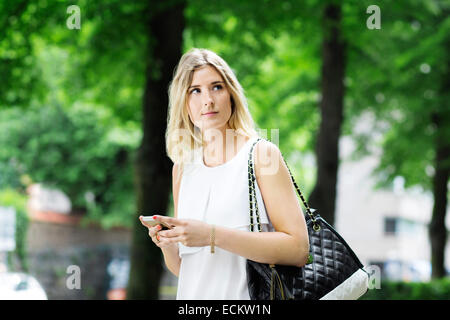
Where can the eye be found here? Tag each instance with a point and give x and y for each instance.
(219, 86)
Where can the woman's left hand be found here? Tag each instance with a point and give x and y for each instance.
(189, 232)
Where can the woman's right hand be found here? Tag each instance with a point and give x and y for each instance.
(158, 240)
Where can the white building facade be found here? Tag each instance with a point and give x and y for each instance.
(387, 228)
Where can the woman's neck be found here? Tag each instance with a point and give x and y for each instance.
(219, 145)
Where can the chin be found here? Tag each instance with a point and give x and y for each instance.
(213, 125)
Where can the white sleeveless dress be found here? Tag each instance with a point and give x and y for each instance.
(216, 195)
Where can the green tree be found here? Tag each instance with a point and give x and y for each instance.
(57, 147)
(165, 25)
(108, 68)
(400, 74)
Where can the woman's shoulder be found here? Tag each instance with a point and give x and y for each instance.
(267, 157)
(265, 146)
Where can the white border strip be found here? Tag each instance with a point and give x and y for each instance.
(351, 289)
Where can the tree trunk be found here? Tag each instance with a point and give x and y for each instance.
(323, 196)
(437, 229)
(152, 166)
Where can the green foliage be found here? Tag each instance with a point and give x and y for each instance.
(9, 176)
(17, 200)
(433, 290)
(274, 49)
(397, 74)
(80, 150)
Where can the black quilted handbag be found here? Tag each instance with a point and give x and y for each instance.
(333, 270)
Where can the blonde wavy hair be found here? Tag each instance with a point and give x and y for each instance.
(182, 136)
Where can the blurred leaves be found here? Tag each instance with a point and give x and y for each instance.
(397, 74)
(433, 290)
(77, 151)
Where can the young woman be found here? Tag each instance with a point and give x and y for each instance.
(209, 136)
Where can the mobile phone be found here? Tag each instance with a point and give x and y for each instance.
(152, 222)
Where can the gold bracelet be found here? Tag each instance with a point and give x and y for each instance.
(213, 234)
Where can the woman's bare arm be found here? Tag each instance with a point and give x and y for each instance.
(289, 243)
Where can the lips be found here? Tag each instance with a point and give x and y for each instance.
(209, 113)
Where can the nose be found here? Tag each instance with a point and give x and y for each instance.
(207, 99)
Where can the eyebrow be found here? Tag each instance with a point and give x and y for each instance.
(214, 82)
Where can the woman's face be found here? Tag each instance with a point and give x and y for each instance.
(209, 103)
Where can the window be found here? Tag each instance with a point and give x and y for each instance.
(402, 226)
(390, 226)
